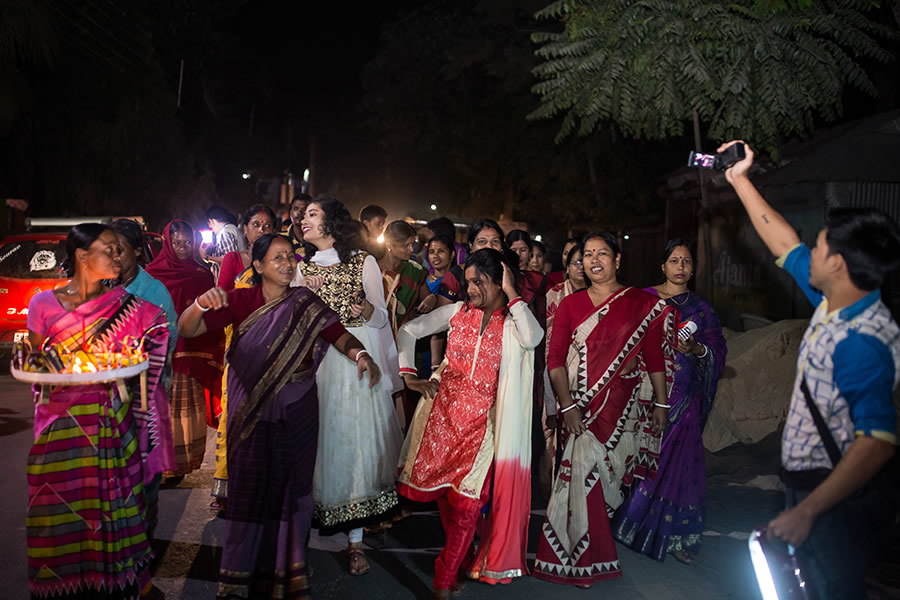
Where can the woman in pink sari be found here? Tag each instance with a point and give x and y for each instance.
(94, 449)
(611, 363)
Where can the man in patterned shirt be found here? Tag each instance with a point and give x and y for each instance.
(228, 238)
(850, 361)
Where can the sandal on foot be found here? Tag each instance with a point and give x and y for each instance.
(683, 557)
(359, 565)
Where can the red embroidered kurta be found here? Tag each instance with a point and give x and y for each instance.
(456, 448)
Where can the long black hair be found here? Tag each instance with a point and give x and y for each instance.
(490, 262)
(80, 238)
(259, 251)
(337, 223)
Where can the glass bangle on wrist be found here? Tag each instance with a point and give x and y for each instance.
(197, 304)
(658, 405)
(360, 354)
(705, 351)
(562, 411)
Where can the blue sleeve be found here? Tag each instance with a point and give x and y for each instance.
(796, 262)
(864, 374)
(163, 299)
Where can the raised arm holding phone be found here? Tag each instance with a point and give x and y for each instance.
(849, 363)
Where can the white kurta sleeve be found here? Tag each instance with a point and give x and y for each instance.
(528, 331)
(371, 276)
(297, 281)
(436, 321)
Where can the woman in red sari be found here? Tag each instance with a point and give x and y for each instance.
(611, 362)
(197, 362)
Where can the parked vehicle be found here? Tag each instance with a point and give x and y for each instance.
(29, 263)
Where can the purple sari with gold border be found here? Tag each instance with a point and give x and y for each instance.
(273, 422)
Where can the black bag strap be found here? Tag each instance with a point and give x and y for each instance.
(831, 446)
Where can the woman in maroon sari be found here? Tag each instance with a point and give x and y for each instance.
(280, 337)
(611, 362)
(197, 363)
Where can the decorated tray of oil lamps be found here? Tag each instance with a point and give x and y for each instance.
(55, 368)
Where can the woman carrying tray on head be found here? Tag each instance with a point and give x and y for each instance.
(94, 450)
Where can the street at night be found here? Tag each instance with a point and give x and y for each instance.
(189, 537)
(415, 299)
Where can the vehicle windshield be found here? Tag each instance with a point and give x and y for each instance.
(33, 259)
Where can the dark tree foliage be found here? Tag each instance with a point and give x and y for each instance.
(758, 69)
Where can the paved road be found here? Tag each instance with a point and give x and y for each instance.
(190, 537)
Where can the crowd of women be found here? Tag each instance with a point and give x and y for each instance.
(347, 377)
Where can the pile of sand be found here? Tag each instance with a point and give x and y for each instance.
(755, 389)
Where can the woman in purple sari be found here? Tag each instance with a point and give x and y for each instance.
(280, 337)
(666, 514)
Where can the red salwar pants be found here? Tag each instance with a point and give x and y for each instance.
(460, 516)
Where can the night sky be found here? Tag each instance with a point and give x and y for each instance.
(432, 110)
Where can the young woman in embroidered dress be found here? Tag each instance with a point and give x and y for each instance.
(360, 435)
(667, 514)
(94, 450)
(611, 362)
(470, 440)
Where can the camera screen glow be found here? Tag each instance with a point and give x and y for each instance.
(206, 235)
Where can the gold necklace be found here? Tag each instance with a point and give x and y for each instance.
(672, 296)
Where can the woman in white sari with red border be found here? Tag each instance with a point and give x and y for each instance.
(611, 364)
